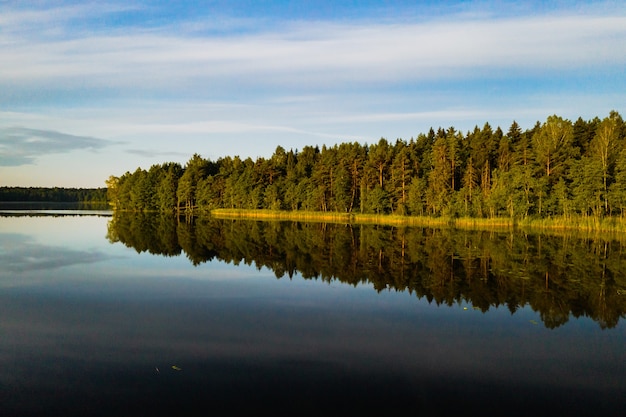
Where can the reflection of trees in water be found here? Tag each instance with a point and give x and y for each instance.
(557, 276)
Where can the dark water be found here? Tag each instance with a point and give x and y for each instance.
(149, 316)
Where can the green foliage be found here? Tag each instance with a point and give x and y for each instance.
(555, 168)
(553, 147)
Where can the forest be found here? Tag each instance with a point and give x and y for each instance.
(556, 168)
(53, 194)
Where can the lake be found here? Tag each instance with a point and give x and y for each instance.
(133, 315)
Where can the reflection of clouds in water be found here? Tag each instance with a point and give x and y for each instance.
(19, 253)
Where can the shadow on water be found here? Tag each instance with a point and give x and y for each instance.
(557, 276)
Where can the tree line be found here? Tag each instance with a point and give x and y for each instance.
(53, 194)
(555, 168)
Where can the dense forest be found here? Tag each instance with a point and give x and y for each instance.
(555, 168)
(54, 194)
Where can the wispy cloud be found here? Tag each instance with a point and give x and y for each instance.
(173, 79)
(21, 146)
(57, 19)
(319, 54)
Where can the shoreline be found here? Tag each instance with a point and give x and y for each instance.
(571, 224)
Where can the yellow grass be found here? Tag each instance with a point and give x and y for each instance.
(328, 217)
(570, 224)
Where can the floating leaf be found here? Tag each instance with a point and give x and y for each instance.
(176, 368)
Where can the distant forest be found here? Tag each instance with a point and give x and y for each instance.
(54, 194)
(555, 168)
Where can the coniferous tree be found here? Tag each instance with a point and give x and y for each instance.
(440, 178)
(617, 190)
(167, 177)
(469, 188)
(553, 146)
(401, 174)
(113, 196)
(604, 148)
(196, 169)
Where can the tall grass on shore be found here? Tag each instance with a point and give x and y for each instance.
(329, 217)
(587, 224)
(609, 227)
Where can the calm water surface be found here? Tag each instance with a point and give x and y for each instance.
(89, 327)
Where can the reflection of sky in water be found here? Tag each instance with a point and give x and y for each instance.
(102, 318)
(19, 253)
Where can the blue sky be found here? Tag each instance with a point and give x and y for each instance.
(89, 90)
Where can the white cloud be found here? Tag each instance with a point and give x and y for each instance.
(318, 54)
